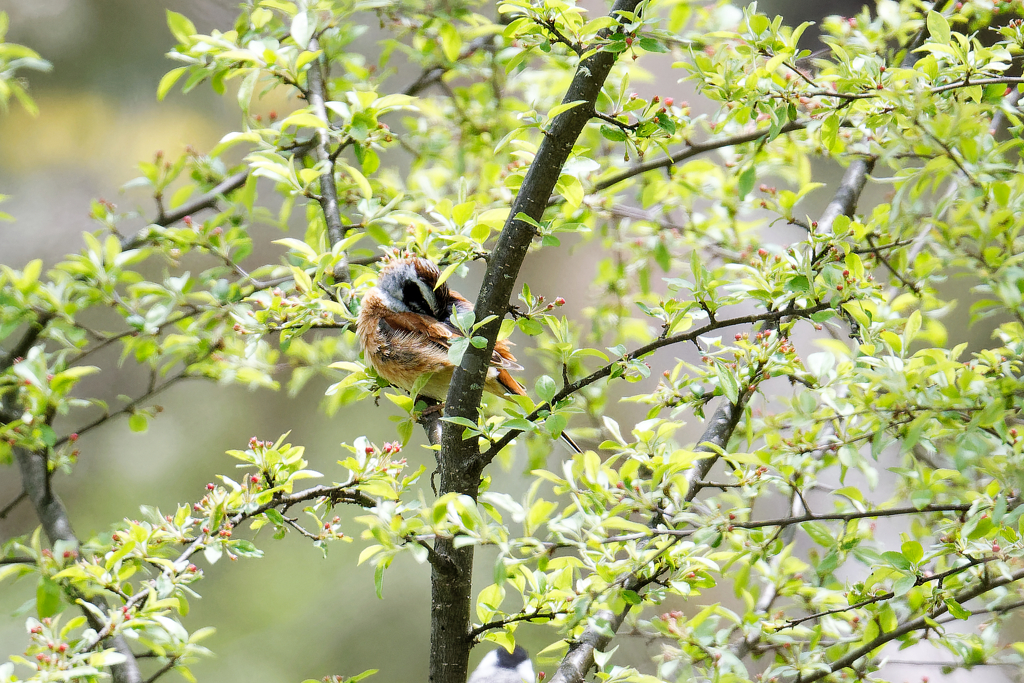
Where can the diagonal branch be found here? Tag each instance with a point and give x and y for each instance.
(844, 201)
(910, 626)
(596, 636)
(341, 493)
(570, 389)
(694, 149)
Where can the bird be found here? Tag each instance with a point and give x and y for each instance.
(502, 666)
(405, 330)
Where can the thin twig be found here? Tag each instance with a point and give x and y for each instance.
(23, 496)
(162, 670)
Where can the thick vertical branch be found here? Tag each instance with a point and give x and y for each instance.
(35, 478)
(510, 251)
(459, 472)
(317, 96)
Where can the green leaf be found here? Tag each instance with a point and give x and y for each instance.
(902, 585)
(957, 610)
(168, 80)
(652, 45)
(897, 560)
(302, 29)
(246, 89)
(571, 189)
(451, 41)
(545, 388)
(938, 28)
(746, 181)
(48, 594)
(662, 256)
(565, 106)
(181, 28)
(913, 551)
(138, 422)
(727, 381)
(830, 133)
(613, 134)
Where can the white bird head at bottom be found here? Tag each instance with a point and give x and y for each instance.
(502, 666)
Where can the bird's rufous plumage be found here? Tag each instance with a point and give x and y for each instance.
(405, 329)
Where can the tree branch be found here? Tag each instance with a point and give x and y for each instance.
(342, 493)
(317, 96)
(844, 201)
(13, 504)
(920, 622)
(580, 658)
(173, 662)
(53, 516)
(784, 522)
(27, 341)
(459, 470)
(601, 373)
(501, 623)
(692, 150)
(206, 201)
(131, 406)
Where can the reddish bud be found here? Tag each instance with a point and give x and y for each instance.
(559, 301)
(210, 487)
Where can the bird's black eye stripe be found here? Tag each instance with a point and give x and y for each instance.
(413, 298)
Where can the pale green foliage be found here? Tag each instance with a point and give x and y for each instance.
(12, 58)
(689, 260)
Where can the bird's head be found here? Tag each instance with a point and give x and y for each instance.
(502, 666)
(410, 284)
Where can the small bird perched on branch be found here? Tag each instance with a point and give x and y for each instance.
(502, 666)
(405, 328)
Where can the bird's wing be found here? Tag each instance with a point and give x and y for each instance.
(442, 334)
(416, 323)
